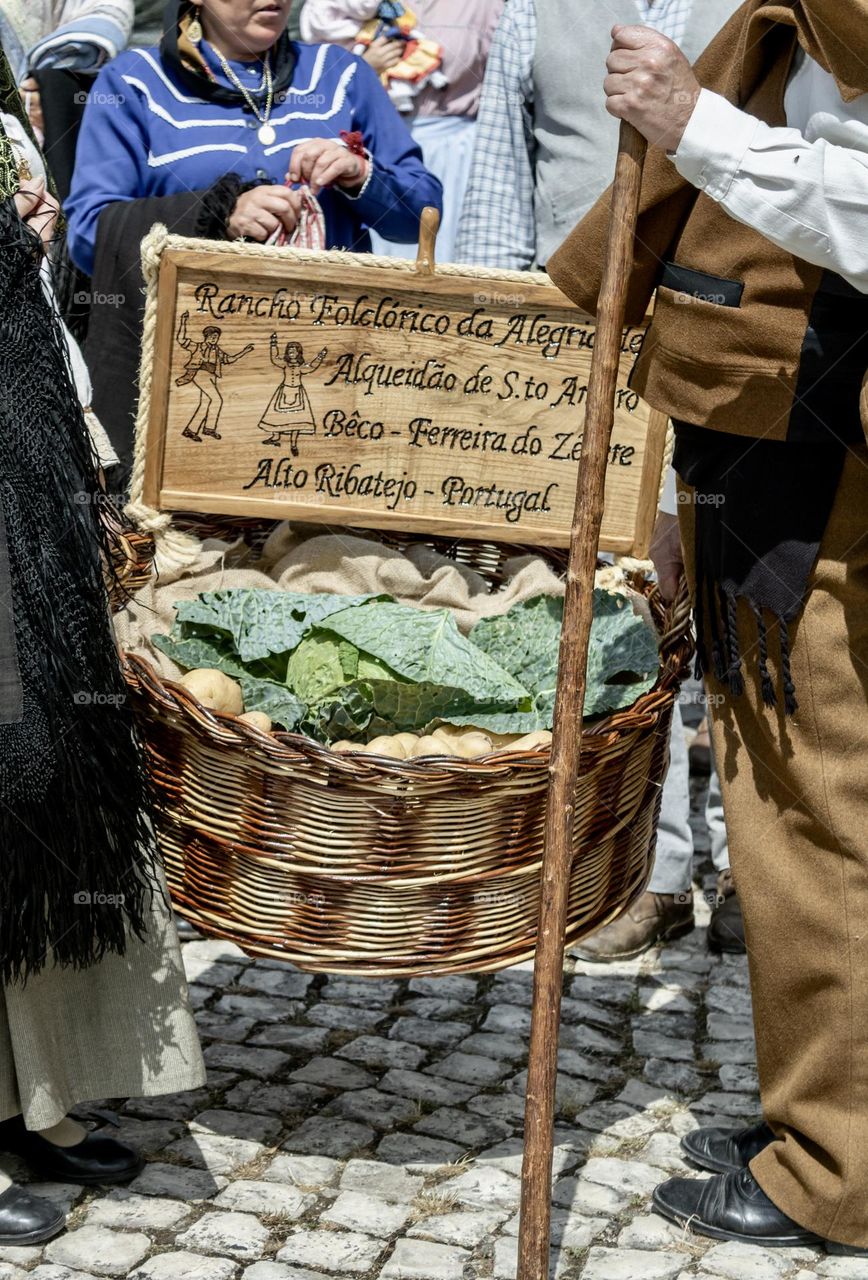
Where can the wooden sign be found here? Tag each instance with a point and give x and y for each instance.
(319, 386)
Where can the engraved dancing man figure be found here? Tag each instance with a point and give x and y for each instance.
(204, 367)
(289, 410)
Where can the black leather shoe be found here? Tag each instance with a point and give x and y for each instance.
(726, 1150)
(732, 1206)
(94, 1160)
(27, 1219)
(726, 926)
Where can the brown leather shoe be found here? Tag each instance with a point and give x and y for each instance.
(726, 927)
(653, 918)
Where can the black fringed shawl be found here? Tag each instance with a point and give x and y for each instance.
(761, 506)
(77, 854)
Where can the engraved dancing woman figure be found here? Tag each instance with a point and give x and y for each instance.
(289, 411)
(203, 368)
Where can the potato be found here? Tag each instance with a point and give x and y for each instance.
(346, 745)
(530, 741)
(472, 743)
(428, 745)
(387, 745)
(408, 742)
(214, 689)
(258, 719)
(450, 731)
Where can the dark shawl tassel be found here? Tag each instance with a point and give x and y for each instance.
(766, 684)
(790, 703)
(761, 508)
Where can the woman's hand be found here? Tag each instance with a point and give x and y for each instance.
(37, 208)
(260, 212)
(321, 162)
(383, 53)
(29, 90)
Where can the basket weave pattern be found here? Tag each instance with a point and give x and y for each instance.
(360, 864)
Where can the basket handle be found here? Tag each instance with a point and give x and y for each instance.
(676, 639)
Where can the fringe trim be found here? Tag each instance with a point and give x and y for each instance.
(718, 646)
(77, 849)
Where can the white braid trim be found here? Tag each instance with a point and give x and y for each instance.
(174, 550)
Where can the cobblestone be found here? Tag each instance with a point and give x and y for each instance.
(217, 1154)
(104, 1252)
(248, 1196)
(374, 1178)
(470, 1068)
(379, 1110)
(422, 1260)
(627, 1264)
(486, 1187)
(236, 1235)
(247, 1125)
(329, 1137)
(124, 1210)
(744, 1262)
(332, 1073)
(465, 1229)
(376, 1051)
(185, 1266)
(360, 1211)
(341, 1252)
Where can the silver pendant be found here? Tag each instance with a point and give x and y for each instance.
(266, 134)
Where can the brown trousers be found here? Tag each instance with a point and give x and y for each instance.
(795, 794)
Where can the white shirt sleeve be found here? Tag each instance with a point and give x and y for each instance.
(808, 197)
(669, 497)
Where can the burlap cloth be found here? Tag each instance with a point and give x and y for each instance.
(303, 558)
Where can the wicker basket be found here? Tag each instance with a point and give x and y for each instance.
(358, 864)
(132, 556)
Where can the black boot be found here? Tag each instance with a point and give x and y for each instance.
(726, 927)
(27, 1219)
(726, 1150)
(94, 1160)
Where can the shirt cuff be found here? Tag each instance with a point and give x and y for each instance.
(669, 497)
(714, 144)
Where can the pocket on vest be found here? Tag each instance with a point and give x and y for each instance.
(699, 286)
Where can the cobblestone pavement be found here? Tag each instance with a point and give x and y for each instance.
(372, 1129)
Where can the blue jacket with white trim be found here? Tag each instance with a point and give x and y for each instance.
(143, 134)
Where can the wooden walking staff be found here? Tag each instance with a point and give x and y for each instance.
(534, 1231)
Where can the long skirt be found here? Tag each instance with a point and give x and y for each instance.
(447, 149)
(121, 1028)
